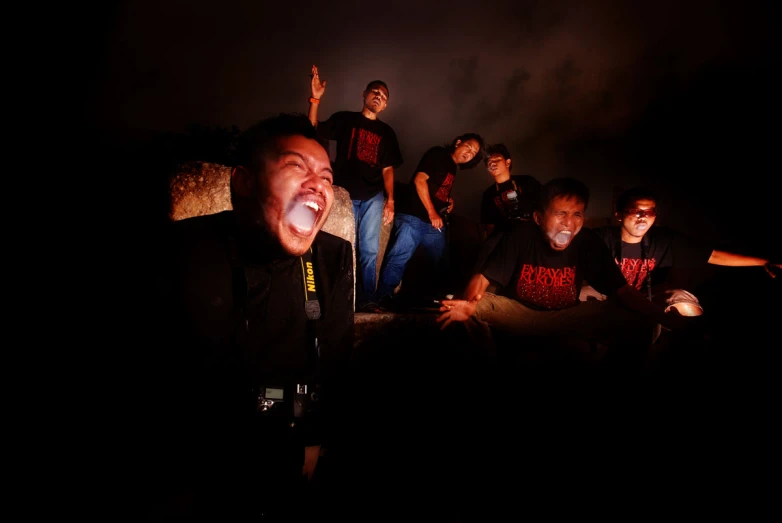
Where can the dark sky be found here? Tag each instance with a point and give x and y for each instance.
(678, 97)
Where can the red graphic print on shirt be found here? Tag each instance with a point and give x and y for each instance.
(546, 287)
(366, 143)
(635, 270)
(445, 189)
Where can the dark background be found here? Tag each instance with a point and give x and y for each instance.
(679, 97)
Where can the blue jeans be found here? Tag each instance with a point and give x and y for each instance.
(369, 215)
(409, 232)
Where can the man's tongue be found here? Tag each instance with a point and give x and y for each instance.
(562, 238)
(302, 217)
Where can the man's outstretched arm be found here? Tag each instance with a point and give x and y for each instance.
(732, 259)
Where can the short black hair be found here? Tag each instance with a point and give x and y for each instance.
(566, 187)
(254, 142)
(479, 156)
(624, 200)
(373, 83)
(497, 148)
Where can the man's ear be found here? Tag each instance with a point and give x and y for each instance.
(242, 182)
(618, 216)
(536, 217)
(508, 163)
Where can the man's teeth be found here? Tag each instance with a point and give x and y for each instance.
(312, 205)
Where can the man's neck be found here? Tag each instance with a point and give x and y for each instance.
(368, 114)
(259, 245)
(502, 178)
(629, 238)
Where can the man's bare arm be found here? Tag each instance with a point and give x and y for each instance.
(475, 288)
(317, 89)
(388, 183)
(422, 189)
(731, 259)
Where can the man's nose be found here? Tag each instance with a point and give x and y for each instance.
(315, 182)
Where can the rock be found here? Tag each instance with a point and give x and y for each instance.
(198, 189)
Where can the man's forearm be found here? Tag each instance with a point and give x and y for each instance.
(730, 259)
(476, 287)
(422, 189)
(313, 114)
(388, 182)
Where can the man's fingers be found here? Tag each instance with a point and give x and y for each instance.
(445, 323)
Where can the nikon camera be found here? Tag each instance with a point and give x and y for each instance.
(299, 401)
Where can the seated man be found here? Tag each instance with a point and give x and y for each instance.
(660, 262)
(254, 320)
(538, 268)
(646, 255)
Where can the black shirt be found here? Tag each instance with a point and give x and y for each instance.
(364, 148)
(528, 270)
(438, 164)
(660, 251)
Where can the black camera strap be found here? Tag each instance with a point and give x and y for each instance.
(311, 304)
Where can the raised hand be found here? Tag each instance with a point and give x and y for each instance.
(318, 87)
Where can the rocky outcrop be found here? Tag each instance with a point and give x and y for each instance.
(198, 189)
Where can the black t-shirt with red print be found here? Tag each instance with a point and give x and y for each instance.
(364, 148)
(528, 270)
(660, 251)
(441, 169)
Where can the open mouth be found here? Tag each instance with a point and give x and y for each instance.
(562, 238)
(303, 216)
